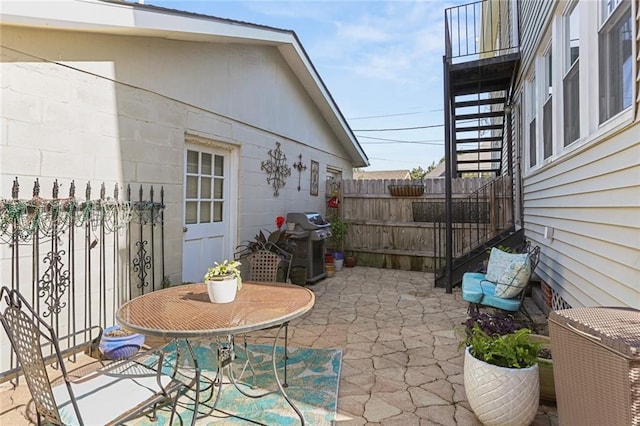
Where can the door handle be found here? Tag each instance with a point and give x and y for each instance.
(184, 229)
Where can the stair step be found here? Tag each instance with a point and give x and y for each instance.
(478, 102)
(479, 128)
(491, 114)
(496, 172)
(479, 150)
(479, 160)
(480, 140)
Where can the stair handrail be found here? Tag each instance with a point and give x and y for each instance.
(480, 28)
(492, 210)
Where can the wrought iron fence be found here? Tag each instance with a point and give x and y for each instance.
(78, 260)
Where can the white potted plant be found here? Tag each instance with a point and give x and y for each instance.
(501, 376)
(223, 281)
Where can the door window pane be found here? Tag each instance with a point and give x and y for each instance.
(206, 164)
(205, 191)
(219, 165)
(192, 187)
(191, 212)
(192, 162)
(205, 211)
(217, 188)
(217, 211)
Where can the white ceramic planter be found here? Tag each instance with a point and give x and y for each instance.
(222, 290)
(338, 263)
(501, 396)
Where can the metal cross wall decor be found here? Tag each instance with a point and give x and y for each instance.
(277, 169)
(299, 167)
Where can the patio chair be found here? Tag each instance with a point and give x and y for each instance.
(116, 392)
(505, 283)
(263, 267)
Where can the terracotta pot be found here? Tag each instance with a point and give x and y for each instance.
(350, 261)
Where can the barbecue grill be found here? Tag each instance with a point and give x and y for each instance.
(309, 234)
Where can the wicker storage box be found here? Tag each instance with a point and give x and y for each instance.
(596, 365)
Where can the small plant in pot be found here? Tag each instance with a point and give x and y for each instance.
(223, 281)
(505, 365)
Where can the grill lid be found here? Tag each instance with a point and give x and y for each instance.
(307, 220)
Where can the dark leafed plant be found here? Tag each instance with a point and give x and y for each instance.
(498, 323)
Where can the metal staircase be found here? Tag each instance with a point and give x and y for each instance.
(481, 60)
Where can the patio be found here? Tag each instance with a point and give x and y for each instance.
(401, 362)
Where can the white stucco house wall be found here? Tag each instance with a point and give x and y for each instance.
(576, 114)
(126, 93)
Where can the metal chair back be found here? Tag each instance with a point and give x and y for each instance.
(263, 266)
(27, 332)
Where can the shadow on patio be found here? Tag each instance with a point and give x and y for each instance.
(401, 362)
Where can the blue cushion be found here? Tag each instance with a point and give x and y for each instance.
(476, 289)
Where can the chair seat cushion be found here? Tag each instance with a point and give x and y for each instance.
(476, 289)
(107, 396)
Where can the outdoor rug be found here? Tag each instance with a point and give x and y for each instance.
(313, 376)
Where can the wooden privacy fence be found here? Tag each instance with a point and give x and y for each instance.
(407, 231)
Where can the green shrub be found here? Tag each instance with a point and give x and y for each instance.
(512, 350)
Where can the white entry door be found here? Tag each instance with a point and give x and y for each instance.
(206, 210)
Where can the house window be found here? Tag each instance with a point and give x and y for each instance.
(571, 81)
(547, 108)
(204, 188)
(615, 59)
(531, 108)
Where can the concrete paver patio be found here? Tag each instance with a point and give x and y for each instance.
(400, 336)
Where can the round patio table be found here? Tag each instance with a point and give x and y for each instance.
(185, 312)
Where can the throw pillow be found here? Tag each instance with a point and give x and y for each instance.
(513, 280)
(499, 261)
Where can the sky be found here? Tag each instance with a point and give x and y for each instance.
(380, 60)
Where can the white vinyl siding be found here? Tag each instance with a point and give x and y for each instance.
(591, 201)
(586, 194)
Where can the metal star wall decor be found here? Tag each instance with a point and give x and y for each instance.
(277, 169)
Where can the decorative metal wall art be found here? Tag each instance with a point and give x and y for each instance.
(277, 169)
(315, 178)
(299, 167)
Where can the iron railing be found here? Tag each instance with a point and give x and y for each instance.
(77, 261)
(476, 219)
(481, 29)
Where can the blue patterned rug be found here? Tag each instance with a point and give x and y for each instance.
(313, 376)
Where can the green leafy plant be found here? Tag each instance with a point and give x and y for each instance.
(339, 230)
(226, 268)
(512, 350)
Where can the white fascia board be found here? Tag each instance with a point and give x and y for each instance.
(132, 19)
